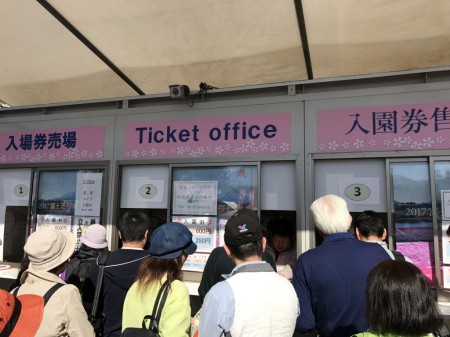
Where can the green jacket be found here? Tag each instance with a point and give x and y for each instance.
(369, 334)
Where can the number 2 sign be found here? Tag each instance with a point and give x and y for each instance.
(150, 190)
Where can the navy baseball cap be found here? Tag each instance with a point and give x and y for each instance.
(169, 240)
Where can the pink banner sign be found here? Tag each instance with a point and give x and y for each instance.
(245, 135)
(395, 127)
(67, 144)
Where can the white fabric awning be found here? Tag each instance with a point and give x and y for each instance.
(59, 51)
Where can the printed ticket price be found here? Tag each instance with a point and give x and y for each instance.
(195, 262)
(203, 231)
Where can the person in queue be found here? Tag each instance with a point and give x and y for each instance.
(170, 244)
(49, 251)
(93, 242)
(253, 300)
(219, 263)
(399, 302)
(120, 269)
(330, 279)
(370, 228)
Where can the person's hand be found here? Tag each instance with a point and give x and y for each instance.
(286, 272)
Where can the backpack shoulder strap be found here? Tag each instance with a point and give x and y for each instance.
(157, 308)
(51, 291)
(15, 291)
(48, 294)
(101, 261)
(163, 300)
(103, 257)
(398, 256)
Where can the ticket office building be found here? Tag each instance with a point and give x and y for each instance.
(380, 143)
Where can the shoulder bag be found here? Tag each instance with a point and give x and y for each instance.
(153, 327)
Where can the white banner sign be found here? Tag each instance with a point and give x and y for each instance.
(88, 194)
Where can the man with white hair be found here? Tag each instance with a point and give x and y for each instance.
(330, 280)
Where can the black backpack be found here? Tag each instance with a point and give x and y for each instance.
(398, 256)
(78, 271)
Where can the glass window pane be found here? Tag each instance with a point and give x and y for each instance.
(278, 186)
(236, 185)
(14, 211)
(69, 200)
(204, 198)
(335, 176)
(144, 187)
(412, 216)
(442, 183)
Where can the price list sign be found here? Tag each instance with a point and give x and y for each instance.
(203, 231)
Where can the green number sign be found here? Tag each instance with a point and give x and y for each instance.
(357, 192)
(148, 191)
(21, 191)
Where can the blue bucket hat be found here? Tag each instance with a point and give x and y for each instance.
(169, 240)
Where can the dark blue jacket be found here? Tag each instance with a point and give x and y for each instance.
(120, 273)
(330, 282)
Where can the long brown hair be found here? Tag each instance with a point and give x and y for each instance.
(153, 270)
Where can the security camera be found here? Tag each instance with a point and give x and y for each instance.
(178, 91)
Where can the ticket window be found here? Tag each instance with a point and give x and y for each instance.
(145, 188)
(360, 182)
(412, 220)
(279, 206)
(68, 200)
(14, 212)
(278, 191)
(204, 198)
(398, 190)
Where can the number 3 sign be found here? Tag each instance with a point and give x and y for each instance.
(358, 190)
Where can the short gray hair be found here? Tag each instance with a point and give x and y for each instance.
(331, 214)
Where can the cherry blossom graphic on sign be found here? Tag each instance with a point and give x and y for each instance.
(397, 127)
(241, 136)
(65, 144)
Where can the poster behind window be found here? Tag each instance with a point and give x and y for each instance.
(203, 231)
(88, 194)
(56, 221)
(195, 197)
(204, 234)
(446, 242)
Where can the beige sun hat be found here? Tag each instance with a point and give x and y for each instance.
(48, 248)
